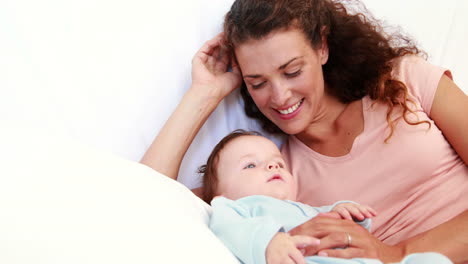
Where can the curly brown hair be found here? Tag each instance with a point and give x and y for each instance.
(361, 54)
(209, 170)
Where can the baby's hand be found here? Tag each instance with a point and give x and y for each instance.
(356, 211)
(284, 248)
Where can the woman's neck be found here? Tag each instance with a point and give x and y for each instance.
(325, 119)
(334, 130)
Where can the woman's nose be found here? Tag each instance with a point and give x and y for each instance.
(279, 93)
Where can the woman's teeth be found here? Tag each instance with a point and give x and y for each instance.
(291, 109)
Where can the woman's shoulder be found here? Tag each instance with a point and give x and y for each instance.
(410, 66)
(420, 77)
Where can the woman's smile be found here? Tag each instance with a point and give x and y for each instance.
(291, 111)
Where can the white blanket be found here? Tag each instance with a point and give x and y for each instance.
(64, 202)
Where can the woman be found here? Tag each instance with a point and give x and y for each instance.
(367, 120)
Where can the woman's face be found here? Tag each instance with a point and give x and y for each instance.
(284, 77)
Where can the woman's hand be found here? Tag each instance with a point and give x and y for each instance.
(210, 74)
(335, 242)
(211, 82)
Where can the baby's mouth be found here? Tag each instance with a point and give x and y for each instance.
(275, 177)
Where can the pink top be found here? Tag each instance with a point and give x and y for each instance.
(415, 182)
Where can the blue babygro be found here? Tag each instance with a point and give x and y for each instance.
(247, 225)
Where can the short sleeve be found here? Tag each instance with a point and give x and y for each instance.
(421, 78)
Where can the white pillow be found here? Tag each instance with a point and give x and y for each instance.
(63, 202)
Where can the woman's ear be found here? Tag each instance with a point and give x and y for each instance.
(323, 52)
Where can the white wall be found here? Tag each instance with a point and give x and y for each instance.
(439, 27)
(104, 71)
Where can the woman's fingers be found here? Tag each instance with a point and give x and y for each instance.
(213, 56)
(213, 60)
(320, 226)
(209, 45)
(351, 243)
(342, 253)
(338, 240)
(222, 61)
(210, 69)
(331, 214)
(206, 51)
(332, 233)
(335, 243)
(305, 241)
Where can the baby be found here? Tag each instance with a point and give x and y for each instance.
(253, 194)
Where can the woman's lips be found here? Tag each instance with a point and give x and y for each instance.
(290, 112)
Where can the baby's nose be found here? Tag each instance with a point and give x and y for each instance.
(273, 166)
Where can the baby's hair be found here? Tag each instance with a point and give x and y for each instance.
(209, 171)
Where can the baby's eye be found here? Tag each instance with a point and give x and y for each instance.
(250, 166)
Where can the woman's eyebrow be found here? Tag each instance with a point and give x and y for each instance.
(253, 76)
(287, 63)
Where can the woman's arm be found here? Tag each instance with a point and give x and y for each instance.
(169, 147)
(449, 112)
(449, 238)
(211, 82)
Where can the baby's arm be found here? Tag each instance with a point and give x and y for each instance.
(252, 238)
(246, 235)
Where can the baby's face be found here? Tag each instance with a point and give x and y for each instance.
(253, 165)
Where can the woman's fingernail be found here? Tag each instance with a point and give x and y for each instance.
(323, 254)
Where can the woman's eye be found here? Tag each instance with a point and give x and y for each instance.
(256, 86)
(293, 74)
(250, 166)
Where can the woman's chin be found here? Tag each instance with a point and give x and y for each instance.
(291, 130)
